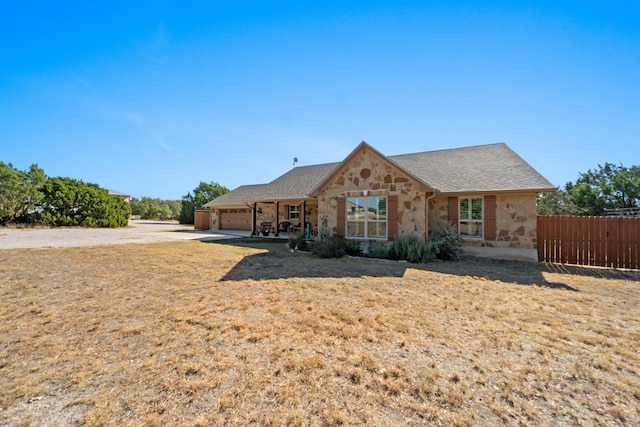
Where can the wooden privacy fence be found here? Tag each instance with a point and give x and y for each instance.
(202, 219)
(590, 240)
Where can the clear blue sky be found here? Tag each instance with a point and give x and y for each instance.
(150, 98)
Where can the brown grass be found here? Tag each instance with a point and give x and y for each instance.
(211, 334)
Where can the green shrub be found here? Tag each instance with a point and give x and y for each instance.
(379, 250)
(327, 246)
(71, 202)
(333, 248)
(412, 248)
(446, 244)
(298, 241)
(351, 247)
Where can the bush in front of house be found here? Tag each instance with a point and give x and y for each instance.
(379, 249)
(446, 244)
(298, 242)
(329, 248)
(412, 248)
(351, 247)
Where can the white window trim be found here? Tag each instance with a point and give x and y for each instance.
(366, 222)
(481, 221)
(297, 211)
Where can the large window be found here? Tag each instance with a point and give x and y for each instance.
(470, 222)
(294, 212)
(366, 217)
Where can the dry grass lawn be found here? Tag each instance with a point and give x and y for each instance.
(196, 334)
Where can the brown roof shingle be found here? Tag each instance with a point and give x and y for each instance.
(481, 168)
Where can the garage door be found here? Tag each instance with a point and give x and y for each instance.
(235, 219)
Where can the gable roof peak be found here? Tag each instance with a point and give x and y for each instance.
(424, 186)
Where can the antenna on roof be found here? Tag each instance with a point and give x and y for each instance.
(295, 160)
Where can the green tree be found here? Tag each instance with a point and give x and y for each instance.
(608, 187)
(19, 192)
(556, 203)
(67, 201)
(175, 206)
(203, 193)
(150, 208)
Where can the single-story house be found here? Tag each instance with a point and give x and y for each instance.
(487, 192)
(125, 197)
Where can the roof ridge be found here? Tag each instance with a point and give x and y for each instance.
(451, 149)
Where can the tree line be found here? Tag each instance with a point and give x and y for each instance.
(181, 210)
(608, 187)
(31, 197)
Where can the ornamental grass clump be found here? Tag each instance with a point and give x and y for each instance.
(379, 250)
(412, 248)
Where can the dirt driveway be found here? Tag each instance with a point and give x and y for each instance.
(138, 231)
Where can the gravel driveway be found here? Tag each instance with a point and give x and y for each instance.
(138, 231)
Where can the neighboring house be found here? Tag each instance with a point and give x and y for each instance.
(487, 192)
(125, 197)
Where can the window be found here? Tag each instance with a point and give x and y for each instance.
(470, 220)
(294, 212)
(366, 217)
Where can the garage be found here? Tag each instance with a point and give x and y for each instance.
(235, 219)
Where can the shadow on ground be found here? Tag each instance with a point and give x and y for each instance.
(279, 263)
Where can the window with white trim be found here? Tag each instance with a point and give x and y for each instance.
(294, 212)
(366, 217)
(471, 217)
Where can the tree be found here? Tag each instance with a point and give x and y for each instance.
(19, 192)
(149, 208)
(556, 203)
(67, 201)
(203, 193)
(608, 187)
(175, 206)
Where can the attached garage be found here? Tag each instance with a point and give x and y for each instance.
(235, 219)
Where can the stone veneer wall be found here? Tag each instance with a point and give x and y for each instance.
(311, 211)
(381, 180)
(516, 220)
(268, 214)
(213, 224)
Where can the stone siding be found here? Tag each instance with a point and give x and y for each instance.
(266, 213)
(366, 171)
(516, 220)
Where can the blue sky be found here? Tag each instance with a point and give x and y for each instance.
(150, 98)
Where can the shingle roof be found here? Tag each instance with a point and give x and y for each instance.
(482, 168)
(296, 184)
(117, 193)
(239, 196)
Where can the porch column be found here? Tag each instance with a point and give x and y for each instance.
(277, 217)
(302, 222)
(254, 218)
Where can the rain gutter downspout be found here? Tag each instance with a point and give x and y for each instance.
(426, 214)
